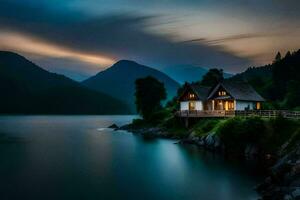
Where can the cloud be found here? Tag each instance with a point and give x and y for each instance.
(230, 38)
(115, 36)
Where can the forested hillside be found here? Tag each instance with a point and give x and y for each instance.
(279, 82)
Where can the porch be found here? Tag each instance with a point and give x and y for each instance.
(241, 113)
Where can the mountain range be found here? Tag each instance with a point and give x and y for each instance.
(28, 89)
(118, 81)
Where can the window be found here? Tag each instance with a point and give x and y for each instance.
(258, 106)
(222, 93)
(230, 105)
(191, 96)
(192, 105)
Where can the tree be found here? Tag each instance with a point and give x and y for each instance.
(292, 98)
(288, 54)
(149, 92)
(277, 57)
(212, 77)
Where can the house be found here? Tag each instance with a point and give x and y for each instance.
(227, 95)
(194, 97)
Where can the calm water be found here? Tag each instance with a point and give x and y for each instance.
(73, 157)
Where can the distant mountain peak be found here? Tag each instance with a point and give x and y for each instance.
(118, 80)
(125, 63)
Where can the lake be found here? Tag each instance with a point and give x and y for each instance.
(77, 157)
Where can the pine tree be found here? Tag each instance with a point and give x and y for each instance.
(288, 54)
(277, 57)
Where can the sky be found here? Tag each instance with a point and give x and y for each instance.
(79, 38)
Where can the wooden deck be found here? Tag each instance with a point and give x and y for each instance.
(241, 113)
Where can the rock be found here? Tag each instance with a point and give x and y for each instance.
(296, 193)
(126, 127)
(113, 126)
(251, 151)
(295, 183)
(209, 140)
(284, 183)
(217, 143)
(200, 142)
(288, 197)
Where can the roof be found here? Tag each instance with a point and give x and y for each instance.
(239, 90)
(201, 91)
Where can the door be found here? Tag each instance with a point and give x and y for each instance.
(192, 105)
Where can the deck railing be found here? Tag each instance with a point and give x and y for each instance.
(241, 113)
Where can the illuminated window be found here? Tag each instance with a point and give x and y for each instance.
(222, 93)
(192, 105)
(192, 96)
(258, 106)
(230, 106)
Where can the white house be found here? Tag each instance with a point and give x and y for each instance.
(226, 95)
(194, 97)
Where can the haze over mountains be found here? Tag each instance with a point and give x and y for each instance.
(187, 73)
(118, 81)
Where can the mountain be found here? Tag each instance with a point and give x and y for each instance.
(118, 81)
(187, 73)
(26, 88)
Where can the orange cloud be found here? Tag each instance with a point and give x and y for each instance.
(23, 43)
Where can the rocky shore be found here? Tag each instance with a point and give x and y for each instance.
(283, 181)
(150, 132)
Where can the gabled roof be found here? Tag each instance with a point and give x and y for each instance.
(239, 90)
(201, 91)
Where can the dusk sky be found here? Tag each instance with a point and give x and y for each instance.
(79, 38)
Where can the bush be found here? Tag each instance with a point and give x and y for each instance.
(175, 127)
(236, 133)
(158, 117)
(205, 126)
(255, 130)
(268, 135)
(231, 132)
(281, 130)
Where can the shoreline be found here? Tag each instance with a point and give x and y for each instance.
(282, 180)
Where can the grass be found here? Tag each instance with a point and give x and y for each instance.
(206, 126)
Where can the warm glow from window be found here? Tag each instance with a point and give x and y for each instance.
(226, 105)
(258, 106)
(192, 105)
(222, 93)
(192, 96)
(230, 105)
